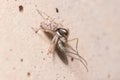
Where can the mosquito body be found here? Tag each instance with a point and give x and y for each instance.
(61, 45)
(59, 41)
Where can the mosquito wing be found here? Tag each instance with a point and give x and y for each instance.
(61, 52)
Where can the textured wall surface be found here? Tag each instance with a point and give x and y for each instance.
(23, 54)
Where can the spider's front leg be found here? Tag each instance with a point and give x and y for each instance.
(53, 44)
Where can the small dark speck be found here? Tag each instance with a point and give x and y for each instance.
(98, 38)
(109, 76)
(107, 47)
(14, 68)
(20, 8)
(72, 59)
(10, 49)
(43, 58)
(64, 77)
(35, 5)
(34, 66)
(104, 33)
(41, 51)
(57, 10)
(21, 60)
(28, 74)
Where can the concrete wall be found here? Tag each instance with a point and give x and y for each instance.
(23, 54)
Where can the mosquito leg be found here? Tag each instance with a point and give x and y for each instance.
(76, 51)
(77, 54)
(51, 48)
(40, 28)
(76, 42)
(43, 14)
(80, 61)
(36, 31)
(53, 44)
(40, 12)
(80, 57)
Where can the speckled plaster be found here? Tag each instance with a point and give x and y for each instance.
(23, 54)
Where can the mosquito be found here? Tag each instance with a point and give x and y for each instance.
(59, 40)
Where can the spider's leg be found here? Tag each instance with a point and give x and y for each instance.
(53, 44)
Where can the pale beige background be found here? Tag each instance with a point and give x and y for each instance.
(23, 54)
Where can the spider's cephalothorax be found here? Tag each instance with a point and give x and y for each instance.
(62, 32)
